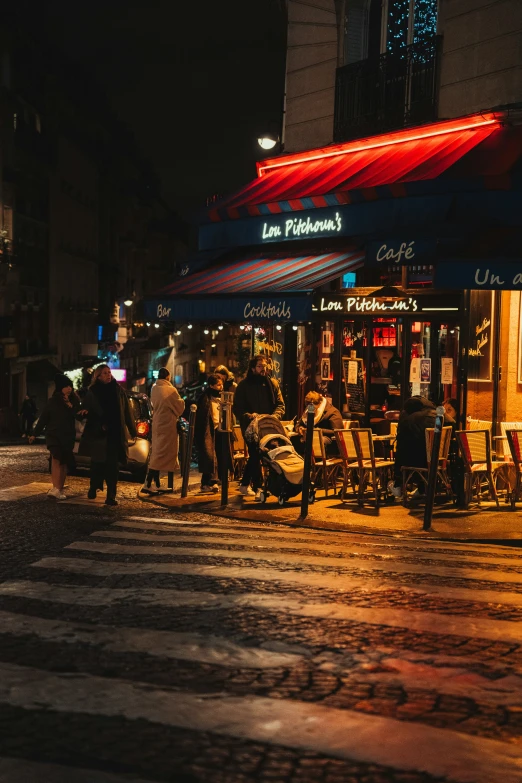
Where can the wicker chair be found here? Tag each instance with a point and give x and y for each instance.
(348, 452)
(372, 470)
(475, 448)
(326, 467)
(514, 438)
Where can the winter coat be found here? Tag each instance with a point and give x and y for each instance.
(167, 407)
(418, 416)
(204, 435)
(109, 422)
(59, 422)
(257, 394)
(329, 421)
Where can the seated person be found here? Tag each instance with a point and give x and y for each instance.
(327, 418)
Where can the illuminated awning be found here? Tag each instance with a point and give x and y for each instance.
(260, 273)
(475, 147)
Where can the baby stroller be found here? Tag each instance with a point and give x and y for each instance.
(283, 474)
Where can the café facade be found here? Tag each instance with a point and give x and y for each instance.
(375, 269)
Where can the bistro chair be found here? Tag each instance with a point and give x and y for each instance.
(514, 439)
(348, 452)
(349, 424)
(479, 468)
(504, 426)
(326, 467)
(443, 479)
(238, 452)
(372, 470)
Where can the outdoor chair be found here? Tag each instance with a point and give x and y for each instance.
(443, 479)
(504, 426)
(371, 470)
(349, 424)
(326, 467)
(348, 452)
(514, 438)
(238, 452)
(479, 468)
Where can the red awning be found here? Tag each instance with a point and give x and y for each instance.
(415, 154)
(279, 273)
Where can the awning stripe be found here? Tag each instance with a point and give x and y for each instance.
(269, 274)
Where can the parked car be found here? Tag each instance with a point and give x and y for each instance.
(139, 447)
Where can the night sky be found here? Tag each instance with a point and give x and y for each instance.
(196, 82)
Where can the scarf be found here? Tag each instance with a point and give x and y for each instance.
(318, 412)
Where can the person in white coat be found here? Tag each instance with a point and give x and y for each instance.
(167, 407)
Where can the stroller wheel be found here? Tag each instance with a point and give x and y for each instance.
(311, 496)
(281, 500)
(262, 496)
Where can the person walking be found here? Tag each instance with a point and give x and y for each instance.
(27, 415)
(167, 407)
(58, 419)
(109, 425)
(255, 395)
(229, 382)
(208, 439)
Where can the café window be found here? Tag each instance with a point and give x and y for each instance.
(420, 276)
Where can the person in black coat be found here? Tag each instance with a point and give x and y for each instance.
(208, 441)
(327, 418)
(27, 415)
(58, 421)
(255, 395)
(106, 433)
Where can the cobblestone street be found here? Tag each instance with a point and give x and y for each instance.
(144, 644)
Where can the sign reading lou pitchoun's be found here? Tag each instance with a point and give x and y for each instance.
(364, 304)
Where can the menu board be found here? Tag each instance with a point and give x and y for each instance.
(480, 350)
(355, 392)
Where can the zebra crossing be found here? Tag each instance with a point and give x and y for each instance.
(202, 649)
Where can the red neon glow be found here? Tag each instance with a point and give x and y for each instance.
(385, 140)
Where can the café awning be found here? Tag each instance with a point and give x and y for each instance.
(471, 147)
(261, 273)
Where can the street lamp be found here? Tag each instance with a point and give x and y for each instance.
(128, 302)
(268, 141)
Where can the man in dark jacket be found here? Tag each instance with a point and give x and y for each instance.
(257, 394)
(418, 415)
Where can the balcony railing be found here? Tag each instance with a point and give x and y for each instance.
(389, 92)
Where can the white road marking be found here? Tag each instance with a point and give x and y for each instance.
(292, 560)
(25, 490)
(161, 644)
(342, 583)
(22, 771)
(349, 550)
(345, 734)
(426, 622)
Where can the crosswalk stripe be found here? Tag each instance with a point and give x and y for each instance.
(427, 622)
(22, 771)
(345, 734)
(25, 490)
(280, 530)
(348, 551)
(341, 583)
(290, 560)
(163, 644)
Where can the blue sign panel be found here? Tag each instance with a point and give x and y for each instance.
(387, 216)
(484, 274)
(407, 252)
(271, 307)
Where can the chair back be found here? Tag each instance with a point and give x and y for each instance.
(318, 449)
(346, 445)
(478, 424)
(349, 424)
(393, 429)
(514, 439)
(239, 441)
(504, 427)
(364, 445)
(475, 447)
(445, 442)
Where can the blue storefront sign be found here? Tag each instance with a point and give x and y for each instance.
(494, 274)
(280, 308)
(401, 252)
(326, 223)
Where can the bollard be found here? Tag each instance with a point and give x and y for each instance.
(305, 495)
(434, 465)
(225, 428)
(188, 454)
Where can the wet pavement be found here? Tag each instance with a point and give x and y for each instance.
(146, 643)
